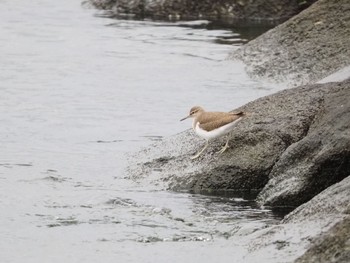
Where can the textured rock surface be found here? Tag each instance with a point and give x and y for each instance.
(306, 48)
(253, 10)
(332, 246)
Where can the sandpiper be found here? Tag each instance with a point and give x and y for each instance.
(211, 125)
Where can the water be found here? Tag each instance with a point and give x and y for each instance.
(78, 92)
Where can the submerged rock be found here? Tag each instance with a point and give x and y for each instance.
(306, 48)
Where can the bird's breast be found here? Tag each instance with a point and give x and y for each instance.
(214, 133)
(194, 123)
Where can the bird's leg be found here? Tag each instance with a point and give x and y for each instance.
(226, 145)
(200, 152)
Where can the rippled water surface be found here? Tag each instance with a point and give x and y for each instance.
(80, 91)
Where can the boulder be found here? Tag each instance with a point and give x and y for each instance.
(320, 159)
(305, 49)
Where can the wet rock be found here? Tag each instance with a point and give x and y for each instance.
(298, 135)
(318, 228)
(332, 246)
(329, 206)
(229, 10)
(306, 48)
(320, 159)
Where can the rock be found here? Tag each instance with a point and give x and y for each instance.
(227, 10)
(337, 76)
(332, 246)
(331, 205)
(306, 48)
(298, 136)
(317, 231)
(318, 160)
(329, 212)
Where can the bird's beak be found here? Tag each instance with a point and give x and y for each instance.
(185, 118)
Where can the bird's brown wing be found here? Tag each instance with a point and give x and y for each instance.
(217, 119)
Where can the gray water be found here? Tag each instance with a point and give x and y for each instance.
(77, 93)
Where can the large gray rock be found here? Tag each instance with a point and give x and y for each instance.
(306, 48)
(294, 144)
(318, 160)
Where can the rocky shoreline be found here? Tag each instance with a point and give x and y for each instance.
(289, 139)
(293, 150)
(229, 11)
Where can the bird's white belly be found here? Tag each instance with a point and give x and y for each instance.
(208, 135)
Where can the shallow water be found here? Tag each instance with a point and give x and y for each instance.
(79, 92)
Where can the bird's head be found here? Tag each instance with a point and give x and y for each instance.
(194, 112)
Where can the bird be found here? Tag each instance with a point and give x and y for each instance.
(211, 125)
